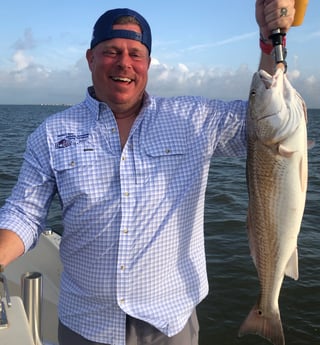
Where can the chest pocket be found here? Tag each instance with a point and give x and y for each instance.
(73, 158)
(159, 159)
(167, 148)
(83, 172)
(73, 167)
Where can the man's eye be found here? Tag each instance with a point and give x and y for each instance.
(136, 56)
(110, 53)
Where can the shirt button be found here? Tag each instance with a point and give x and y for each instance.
(125, 231)
(113, 130)
(126, 194)
(123, 158)
(122, 300)
(72, 163)
(122, 267)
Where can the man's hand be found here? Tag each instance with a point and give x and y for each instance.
(274, 14)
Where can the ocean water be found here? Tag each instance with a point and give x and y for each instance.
(232, 276)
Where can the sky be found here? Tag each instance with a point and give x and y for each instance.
(207, 48)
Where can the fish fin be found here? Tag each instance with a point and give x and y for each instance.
(303, 175)
(304, 106)
(292, 269)
(268, 327)
(283, 151)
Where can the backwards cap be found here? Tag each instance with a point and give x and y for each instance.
(103, 30)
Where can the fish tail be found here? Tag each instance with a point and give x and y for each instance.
(268, 327)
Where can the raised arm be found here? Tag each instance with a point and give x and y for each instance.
(271, 15)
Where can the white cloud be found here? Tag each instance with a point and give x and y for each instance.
(311, 80)
(220, 83)
(32, 82)
(167, 80)
(294, 74)
(21, 60)
(183, 68)
(308, 86)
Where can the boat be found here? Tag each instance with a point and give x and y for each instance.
(29, 291)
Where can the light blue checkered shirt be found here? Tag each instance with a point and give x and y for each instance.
(133, 240)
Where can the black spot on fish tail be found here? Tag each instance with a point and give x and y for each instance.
(268, 327)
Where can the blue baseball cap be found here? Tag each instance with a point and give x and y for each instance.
(103, 30)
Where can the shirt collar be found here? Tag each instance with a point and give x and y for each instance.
(92, 103)
(96, 106)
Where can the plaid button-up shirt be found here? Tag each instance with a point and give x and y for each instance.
(133, 239)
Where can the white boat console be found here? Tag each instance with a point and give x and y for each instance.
(29, 291)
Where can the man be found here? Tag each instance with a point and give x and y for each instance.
(130, 170)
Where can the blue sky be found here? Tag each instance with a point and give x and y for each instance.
(207, 48)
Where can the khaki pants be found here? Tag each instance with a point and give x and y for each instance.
(139, 333)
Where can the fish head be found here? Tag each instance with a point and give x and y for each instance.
(269, 110)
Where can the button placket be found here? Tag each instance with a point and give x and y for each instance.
(127, 182)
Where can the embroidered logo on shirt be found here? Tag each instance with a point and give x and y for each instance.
(70, 139)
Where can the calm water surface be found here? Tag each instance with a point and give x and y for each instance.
(232, 276)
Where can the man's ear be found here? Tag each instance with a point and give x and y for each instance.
(90, 57)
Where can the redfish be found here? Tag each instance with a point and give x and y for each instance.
(277, 173)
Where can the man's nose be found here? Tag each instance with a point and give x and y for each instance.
(124, 60)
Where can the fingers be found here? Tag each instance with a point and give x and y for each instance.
(273, 14)
(279, 14)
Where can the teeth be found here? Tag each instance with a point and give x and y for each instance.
(122, 79)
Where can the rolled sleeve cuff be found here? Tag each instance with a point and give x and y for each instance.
(12, 222)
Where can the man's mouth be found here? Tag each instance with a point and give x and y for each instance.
(122, 80)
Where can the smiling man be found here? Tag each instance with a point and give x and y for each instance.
(119, 60)
(131, 172)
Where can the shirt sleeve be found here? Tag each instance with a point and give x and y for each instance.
(231, 129)
(25, 211)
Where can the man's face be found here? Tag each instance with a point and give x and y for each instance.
(119, 70)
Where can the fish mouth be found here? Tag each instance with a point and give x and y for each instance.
(266, 116)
